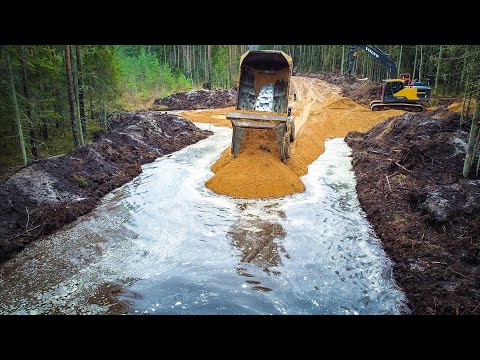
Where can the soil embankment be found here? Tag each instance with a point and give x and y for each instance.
(198, 99)
(52, 192)
(410, 184)
(257, 172)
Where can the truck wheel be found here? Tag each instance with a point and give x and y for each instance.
(292, 131)
(286, 147)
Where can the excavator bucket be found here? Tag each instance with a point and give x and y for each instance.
(262, 103)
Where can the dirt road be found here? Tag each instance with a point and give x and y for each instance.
(309, 92)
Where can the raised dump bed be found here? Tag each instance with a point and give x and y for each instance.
(263, 93)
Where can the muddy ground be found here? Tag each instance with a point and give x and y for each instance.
(410, 184)
(52, 192)
(198, 99)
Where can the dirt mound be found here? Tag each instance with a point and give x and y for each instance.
(410, 185)
(257, 172)
(456, 107)
(362, 92)
(198, 99)
(55, 191)
(339, 103)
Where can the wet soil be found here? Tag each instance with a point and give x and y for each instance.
(410, 184)
(52, 192)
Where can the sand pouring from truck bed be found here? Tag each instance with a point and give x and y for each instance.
(258, 172)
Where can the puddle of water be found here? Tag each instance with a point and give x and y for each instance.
(164, 244)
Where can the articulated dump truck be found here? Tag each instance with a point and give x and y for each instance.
(262, 103)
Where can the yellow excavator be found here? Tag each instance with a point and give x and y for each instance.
(399, 91)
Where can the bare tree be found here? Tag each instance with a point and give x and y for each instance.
(71, 99)
(438, 70)
(471, 141)
(17, 112)
(26, 94)
(81, 100)
(209, 66)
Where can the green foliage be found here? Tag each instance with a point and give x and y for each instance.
(142, 76)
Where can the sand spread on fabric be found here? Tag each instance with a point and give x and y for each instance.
(258, 172)
(215, 117)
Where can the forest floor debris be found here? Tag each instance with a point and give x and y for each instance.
(52, 192)
(198, 99)
(410, 184)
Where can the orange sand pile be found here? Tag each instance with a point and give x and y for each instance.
(455, 107)
(258, 172)
(214, 116)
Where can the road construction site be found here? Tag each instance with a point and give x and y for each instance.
(199, 231)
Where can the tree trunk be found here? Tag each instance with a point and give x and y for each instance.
(420, 68)
(73, 63)
(26, 94)
(81, 99)
(438, 70)
(471, 140)
(415, 63)
(43, 120)
(343, 59)
(464, 66)
(230, 75)
(209, 67)
(400, 59)
(104, 117)
(71, 100)
(92, 112)
(17, 112)
(475, 148)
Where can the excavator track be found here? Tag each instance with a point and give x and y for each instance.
(380, 106)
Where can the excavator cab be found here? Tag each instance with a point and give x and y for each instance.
(395, 95)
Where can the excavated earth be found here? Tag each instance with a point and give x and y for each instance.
(410, 184)
(198, 99)
(52, 192)
(362, 92)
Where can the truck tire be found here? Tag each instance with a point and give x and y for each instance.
(292, 131)
(286, 148)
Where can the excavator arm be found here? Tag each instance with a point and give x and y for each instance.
(374, 52)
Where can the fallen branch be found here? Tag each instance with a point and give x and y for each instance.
(28, 218)
(456, 272)
(402, 167)
(378, 152)
(388, 182)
